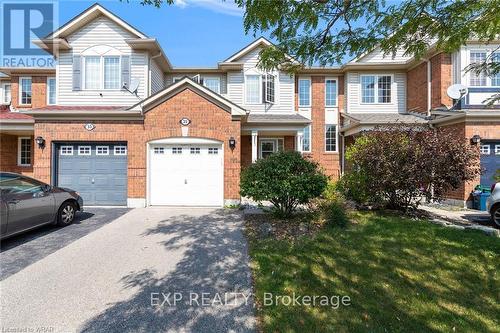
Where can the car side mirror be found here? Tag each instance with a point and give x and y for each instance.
(46, 188)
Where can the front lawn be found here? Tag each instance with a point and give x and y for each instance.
(401, 275)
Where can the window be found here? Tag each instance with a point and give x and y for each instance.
(25, 90)
(159, 150)
(7, 95)
(331, 138)
(212, 83)
(331, 92)
(269, 146)
(120, 150)
(17, 184)
(213, 151)
(495, 79)
(24, 151)
(477, 79)
(66, 150)
(102, 150)
(306, 139)
(485, 149)
(84, 150)
(268, 88)
(92, 72)
(376, 89)
(176, 150)
(51, 90)
(304, 92)
(195, 151)
(176, 79)
(497, 149)
(111, 72)
(252, 89)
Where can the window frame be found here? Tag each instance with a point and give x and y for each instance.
(159, 150)
(259, 87)
(101, 72)
(309, 138)
(84, 147)
(61, 153)
(194, 150)
(376, 88)
(310, 92)
(120, 154)
(265, 85)
(215, 78)
(275, 142)
(19, 151)
(487, 151)
(4, 101)
(336, 92)
(213, 151)
(21, 78)
(497, 149)
(101, 154)
(336, 139)
(51, 78)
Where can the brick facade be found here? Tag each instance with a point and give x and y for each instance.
(9, 155)
(38, 92)
(207, 121)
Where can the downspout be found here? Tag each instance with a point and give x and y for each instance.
(342, 163)
(429, 87)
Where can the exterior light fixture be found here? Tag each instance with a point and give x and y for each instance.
(475, 139)
(40, 142)
(232, 143)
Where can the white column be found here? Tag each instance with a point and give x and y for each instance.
(300, 135)
(254, 146)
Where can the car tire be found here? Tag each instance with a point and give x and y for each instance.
(66, 214)
(495, 215)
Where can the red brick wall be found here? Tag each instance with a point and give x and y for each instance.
(416, 89)
(330, 162)
(8, 155)
(38, 90)
(246, 147)
(208, 121)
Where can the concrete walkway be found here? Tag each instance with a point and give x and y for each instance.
(125, 276)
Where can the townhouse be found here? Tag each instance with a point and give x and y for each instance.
(118, 123)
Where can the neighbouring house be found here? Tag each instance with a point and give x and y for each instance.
(118, 123)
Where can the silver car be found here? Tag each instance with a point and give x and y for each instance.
(493, 204)
(26, 203)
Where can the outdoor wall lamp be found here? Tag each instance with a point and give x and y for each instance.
(40, 142)
(232, 143)
(475, 139)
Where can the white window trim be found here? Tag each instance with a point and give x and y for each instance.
(159, 150)
(213, 151)
(487, 151)
(101, 74)
(116, 152)
(19, 140)
(84, 147)
(488, 78)
(275, 142)
(212, 78)
(21, 78)
(101, 154)
(2, 95)
(260, 88)
(376, 102)
(47, 92)
(66, 154)
(310, 92)
(336, 139)
(497, 149)
(310, 140)
(336, 92)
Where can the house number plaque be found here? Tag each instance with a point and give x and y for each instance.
(185, 121)
(89, 126)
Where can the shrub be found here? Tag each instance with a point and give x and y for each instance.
(334, 213)
(286, 179)
(398, 165)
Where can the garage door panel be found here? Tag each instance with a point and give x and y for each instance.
(100, 179)
(490, 161)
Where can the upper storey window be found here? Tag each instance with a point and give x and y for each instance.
(51, 90)
(212, 83)
(260, 89)
(483, 79)
(102, 72)
(6, 87)
(25, 90)
(376, 89)
(331, 92)
(304, 92)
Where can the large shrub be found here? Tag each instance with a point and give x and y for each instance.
(286, 179)
(397, 166)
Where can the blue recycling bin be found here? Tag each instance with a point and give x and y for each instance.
(482, 200)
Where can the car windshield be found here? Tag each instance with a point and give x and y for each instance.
(18, 184)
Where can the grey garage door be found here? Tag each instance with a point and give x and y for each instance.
(98, 171)
(490, 161)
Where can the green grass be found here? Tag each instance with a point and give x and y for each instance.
(401, 275)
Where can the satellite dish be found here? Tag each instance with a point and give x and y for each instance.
(134, 85)
(456, 91)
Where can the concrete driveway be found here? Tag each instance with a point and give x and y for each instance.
(150, 270)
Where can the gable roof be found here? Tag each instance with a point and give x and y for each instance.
(89, 15)
(250, 47)
(187, 83)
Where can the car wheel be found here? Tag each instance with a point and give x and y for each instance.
(495, 215)
(66, 214)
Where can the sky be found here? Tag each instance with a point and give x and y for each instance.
(191, 32)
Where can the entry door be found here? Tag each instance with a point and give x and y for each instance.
(186, 175)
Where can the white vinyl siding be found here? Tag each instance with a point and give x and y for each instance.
(51, 91)
(354, 101)
(157, 78)
(25, 90)
(377, 56)
(100, 31)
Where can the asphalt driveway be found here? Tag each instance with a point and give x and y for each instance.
(150, 270)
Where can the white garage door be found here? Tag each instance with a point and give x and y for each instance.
(186, 174)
